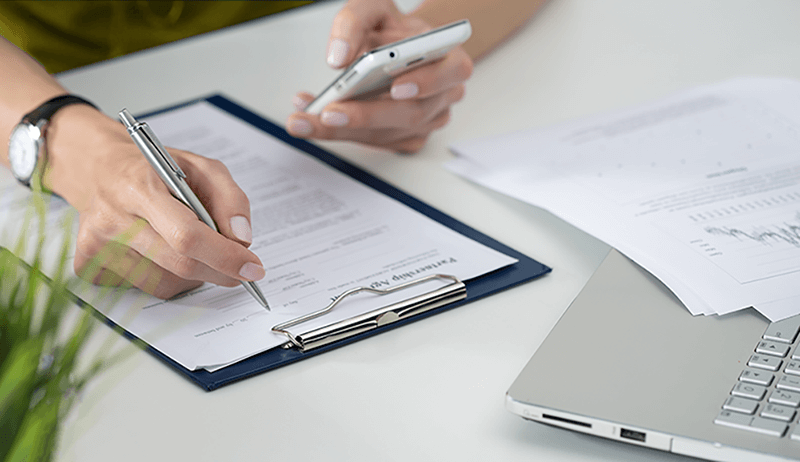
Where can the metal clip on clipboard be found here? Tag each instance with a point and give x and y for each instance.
(365, 322)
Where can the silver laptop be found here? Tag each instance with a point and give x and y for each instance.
(628, 362)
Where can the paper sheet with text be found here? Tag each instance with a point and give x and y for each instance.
(702, 188)
(318, 232)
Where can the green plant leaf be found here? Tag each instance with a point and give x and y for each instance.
(36, 438)
(37, 391)
(17, 377)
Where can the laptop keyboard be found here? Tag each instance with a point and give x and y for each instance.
(766, 397)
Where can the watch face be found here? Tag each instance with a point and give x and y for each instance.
(23, 151)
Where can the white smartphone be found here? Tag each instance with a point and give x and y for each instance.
(375, 69)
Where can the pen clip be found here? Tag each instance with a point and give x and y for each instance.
(160, 149)
(144, 131)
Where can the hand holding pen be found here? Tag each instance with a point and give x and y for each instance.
(182, 251)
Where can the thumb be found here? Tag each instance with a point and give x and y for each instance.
(225, 201)
(351, 26)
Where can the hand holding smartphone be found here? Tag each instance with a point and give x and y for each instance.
(374, 70)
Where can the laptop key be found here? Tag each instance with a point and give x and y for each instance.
(773, 348)
(793, 368)
(787, 382)
(796, 433)
(786, 398)
(757, 377)
(751, 423)
(783, 331)
(796, 354)
(765, 362)
(745, 406)
(778, 412)
(748, 390)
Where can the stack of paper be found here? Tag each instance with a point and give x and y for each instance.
(702, 189)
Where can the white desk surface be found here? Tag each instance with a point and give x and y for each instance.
(432, 390)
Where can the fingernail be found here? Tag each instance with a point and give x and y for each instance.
(300, 127)
(334, 119)
(337, 51)
(241, 229)
(405, 91)
(252, 272)
(299, 103)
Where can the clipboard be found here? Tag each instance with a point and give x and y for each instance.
(320, 340)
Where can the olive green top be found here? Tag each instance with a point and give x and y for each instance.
(66, 34)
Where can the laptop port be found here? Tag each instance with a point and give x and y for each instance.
(632, 435)
(569, 421)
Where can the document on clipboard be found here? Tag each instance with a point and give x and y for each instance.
(345, 254)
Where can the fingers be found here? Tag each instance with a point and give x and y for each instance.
(418, 101)
(302, 100)
(135, 230)
(104, 256)
(119, 265)
(413, 115)
(414, 106)
(225, 201)
(185, 234)
(351, 27)
(381, 122)
(410, 145)
(105, 243)
(132, 229)
(425, 81)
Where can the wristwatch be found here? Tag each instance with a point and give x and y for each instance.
(26, 147)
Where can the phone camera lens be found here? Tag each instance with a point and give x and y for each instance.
(391, 54)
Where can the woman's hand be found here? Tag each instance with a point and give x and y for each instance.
(131, 228)
(418, 101)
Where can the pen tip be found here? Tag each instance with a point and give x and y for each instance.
(252, 287)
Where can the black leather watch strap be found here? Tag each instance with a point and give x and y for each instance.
(51, 106)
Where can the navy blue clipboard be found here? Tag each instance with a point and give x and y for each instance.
(524, 270)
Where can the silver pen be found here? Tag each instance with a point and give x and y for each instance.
(172, 175)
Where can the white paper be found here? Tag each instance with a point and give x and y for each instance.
(702, 188)
(318, 233)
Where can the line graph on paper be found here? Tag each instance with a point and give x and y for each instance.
(752, 246)
(786, 232)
